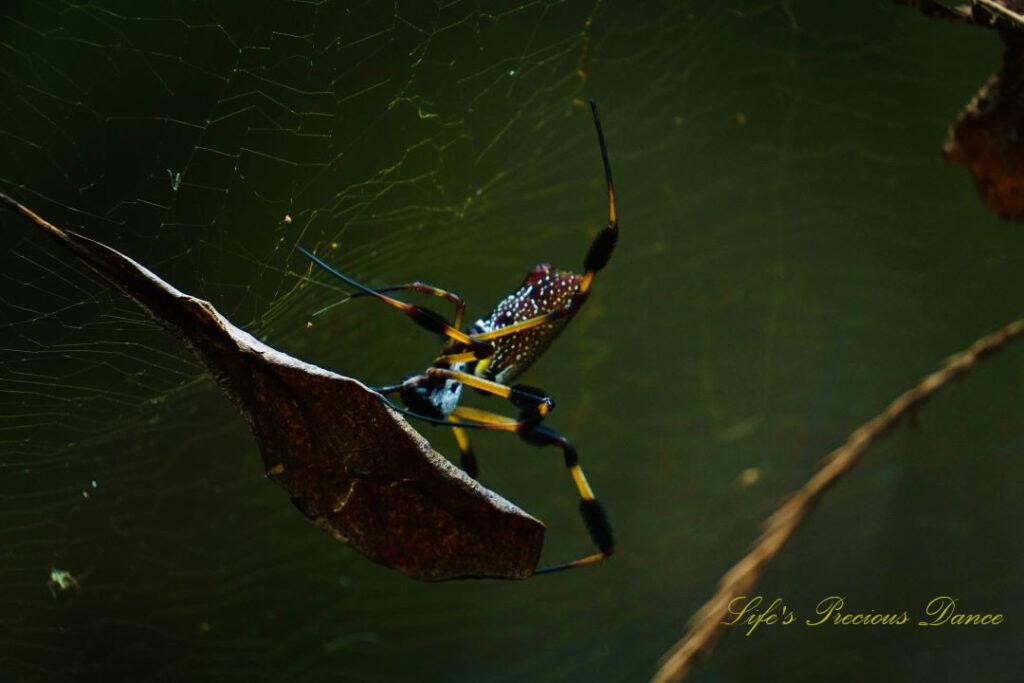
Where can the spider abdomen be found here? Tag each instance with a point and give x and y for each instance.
(544, 290)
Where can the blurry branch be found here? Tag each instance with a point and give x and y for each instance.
(706, 624)
(988, 13)
(1002, 9)
(936, 10)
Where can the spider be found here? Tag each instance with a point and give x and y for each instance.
(496, 350)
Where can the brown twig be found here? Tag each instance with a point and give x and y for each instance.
(706, 624)
(1002, 10)
(937, 10)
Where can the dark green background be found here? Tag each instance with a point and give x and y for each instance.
(793, 255)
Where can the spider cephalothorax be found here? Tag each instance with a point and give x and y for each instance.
(435, 397)
(496, 350)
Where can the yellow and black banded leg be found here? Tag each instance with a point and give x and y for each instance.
(467, 458)
(465, 416)
(469, 356)
(598, 255)
(597, 258)
(594, 516)
(466, 357)
(604, 244)
(424, 317)
(455, 299)
(570, 308)
(532, 402)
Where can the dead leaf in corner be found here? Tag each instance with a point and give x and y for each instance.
(988, 135)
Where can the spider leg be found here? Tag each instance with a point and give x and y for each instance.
(452, 358)
(457, 421)
(387, 389)
(603, 245)
(460, 305)
(533, 402)
(468, 458)
(570, 308)
(597, 258)
(424, 317)
(594, 516)
(479, 419)
(469, 356)
(534, 405)
(485, 419)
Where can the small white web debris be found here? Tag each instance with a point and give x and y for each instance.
(61, 580)
(175, 179)
(749, 476)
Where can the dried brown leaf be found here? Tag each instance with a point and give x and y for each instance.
(353, 466)
(988, 136)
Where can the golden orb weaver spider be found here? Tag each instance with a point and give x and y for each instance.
(495, 350)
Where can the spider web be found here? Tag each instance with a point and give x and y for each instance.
(793, 255)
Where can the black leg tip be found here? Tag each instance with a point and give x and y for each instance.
(601, 249)
(470, 465)
(598, 525)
